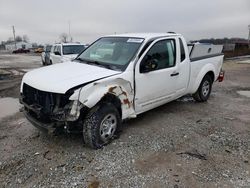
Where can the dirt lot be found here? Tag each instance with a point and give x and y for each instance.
(181, 144)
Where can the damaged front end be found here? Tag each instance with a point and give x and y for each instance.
(51, 111)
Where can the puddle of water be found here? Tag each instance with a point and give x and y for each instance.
(27, 70)
(4, 77)
(4, 74)
(244, 93)
(16, 73)
(8, 106)
(244, 62)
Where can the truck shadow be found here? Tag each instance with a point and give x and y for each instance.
(178, 107)
(145, 120)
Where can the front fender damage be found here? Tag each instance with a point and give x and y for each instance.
(92, 93)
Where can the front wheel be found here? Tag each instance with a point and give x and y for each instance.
(204, 90)
(101, 125)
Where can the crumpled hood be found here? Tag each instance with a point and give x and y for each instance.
(61, 77)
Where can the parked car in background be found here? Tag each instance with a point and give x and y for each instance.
(21, 50)
(38, 50)
(46, 54)
(65, 52)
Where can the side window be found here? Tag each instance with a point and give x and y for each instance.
(59, 49)
(145, 48)
(52, 49)
(183, 55)
(56, 49)
(162, 53)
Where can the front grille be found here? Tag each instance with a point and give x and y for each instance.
(44, 105)
(37, 98)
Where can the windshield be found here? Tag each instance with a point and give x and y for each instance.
(72, 49)
(112, 52)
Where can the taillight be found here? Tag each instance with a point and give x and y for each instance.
(221, 76)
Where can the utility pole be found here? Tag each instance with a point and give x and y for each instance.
(249, 36)
(70, 38)
(14, 34)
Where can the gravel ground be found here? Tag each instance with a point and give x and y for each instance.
(180, 144)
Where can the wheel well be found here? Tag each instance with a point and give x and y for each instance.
(211, 74)
(113, 100)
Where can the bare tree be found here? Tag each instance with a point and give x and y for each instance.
(34, 45)
(19, 39)
(64, 37)
(10, 39)
(25, 38)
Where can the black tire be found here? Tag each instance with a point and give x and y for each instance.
(94, 125)
(204, 90)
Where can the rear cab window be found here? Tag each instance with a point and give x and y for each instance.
(182, 50)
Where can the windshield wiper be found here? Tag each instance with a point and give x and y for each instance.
(82, 60)
(98, 64)
(101, 64)
(90, 62)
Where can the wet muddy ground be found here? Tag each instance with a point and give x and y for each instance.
(180, 144)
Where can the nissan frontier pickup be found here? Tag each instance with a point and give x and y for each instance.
(116, 78)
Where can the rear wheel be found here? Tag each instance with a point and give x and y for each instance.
(101, 125)
(204, 90)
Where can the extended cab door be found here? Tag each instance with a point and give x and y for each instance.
(156, 75)
(183, 67)
(55, 54)
(58, 54)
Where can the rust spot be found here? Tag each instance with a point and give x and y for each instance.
(126, 101)
(124, 93)
(111, 90)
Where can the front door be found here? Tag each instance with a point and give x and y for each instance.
(55, 54)
(155, 85)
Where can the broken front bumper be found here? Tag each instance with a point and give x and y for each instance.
(47, 127)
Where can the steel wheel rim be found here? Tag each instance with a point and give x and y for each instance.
(205, 88)
(108, 127)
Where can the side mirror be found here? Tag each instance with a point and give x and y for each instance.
(148, 65)
(57, 53)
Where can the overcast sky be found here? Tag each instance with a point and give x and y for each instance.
(43, 21)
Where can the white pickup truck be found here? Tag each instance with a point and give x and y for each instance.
(116, 78)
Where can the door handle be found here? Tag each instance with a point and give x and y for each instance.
(174, 74)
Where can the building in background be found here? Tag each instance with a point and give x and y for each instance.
(232, 47)
(11, 46)
(237, 47)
